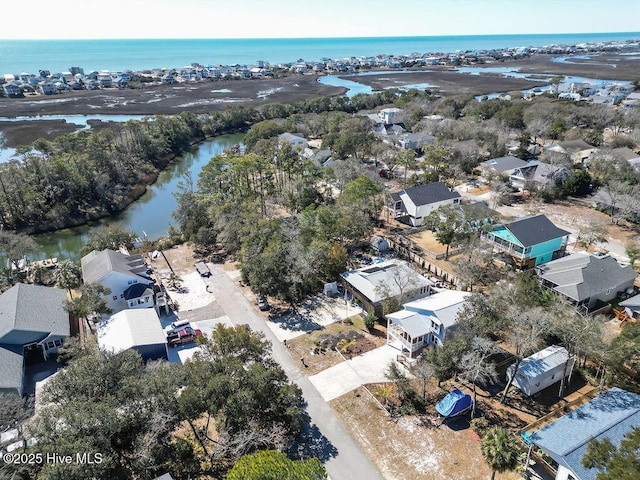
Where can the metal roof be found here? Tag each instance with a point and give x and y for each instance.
(611, 415)
(130, 328)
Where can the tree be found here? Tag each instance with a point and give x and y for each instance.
(590, 234)
(234, 382)
(527, 330)
(68, 275)
(113, 405)
(500, 450)
(476, 367)
(111, 236)
(273, 465)
(614, 463)
(449, 226)
(407, 160)
(91, 301)
(15, 247)
(632, 250)
(424, 371)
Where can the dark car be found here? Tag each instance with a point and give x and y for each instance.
(182, 335)
(263, 305)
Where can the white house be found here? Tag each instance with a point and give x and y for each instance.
(542, 369)
(139, 330)
(425, 322)
(413, 204)
(391, 115)
(117, 272)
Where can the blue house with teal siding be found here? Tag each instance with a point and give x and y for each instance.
(529, 241)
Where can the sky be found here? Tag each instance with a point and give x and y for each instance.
(315, 18)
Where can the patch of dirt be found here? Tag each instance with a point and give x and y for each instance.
(317, 359)
(404, 449)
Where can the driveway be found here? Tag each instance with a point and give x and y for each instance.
(326, 437)
(315, 313)
(350, 374)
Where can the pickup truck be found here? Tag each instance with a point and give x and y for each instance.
(182, 335)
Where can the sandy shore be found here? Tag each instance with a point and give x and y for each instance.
(211, 96)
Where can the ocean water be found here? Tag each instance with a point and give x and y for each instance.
(30, 56)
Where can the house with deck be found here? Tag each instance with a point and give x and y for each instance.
(529, 241)
(424, 322)
(119, 272)
(413, 204)
(395, 279)
(33, 327)
(611, 415)
(587, 280)
(539, 176)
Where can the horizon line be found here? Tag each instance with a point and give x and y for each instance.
(326, 38)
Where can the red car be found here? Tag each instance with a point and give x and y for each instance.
(182, 335)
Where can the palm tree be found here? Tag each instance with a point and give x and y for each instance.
(68, 275)
(385, 391)
(500, 450)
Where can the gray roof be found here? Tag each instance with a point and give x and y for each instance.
(11, 367)
(137, 290)
(611, 415)
(575, 145)
(412, 323)
(534, 230)
(581, 275)
(97, 264)
(430, 193)
(166, 476)
(503, 164)
(625, 153)
(29, 313)
(633, 303)
(372, 280)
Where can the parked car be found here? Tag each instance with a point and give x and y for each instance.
(182, 335)
(263, 305)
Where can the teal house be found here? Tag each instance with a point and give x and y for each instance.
(529, 241)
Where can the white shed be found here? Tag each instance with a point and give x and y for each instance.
(542, 369)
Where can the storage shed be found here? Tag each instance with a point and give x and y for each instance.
(542, 369)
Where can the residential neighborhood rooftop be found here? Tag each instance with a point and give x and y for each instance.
(531, 231)
(430, 193)
(611, 415)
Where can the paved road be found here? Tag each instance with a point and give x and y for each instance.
(328, 438)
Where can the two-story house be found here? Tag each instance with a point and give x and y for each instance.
(425, 321)
(118, 272)
(529, 241)
(413, 204)
(33, 326)
(587, 280)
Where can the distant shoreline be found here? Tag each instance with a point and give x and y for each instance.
(140, 54)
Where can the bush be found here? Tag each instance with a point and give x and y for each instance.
(479, 425)
(370, 320)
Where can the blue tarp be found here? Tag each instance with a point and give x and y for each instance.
(454, 404)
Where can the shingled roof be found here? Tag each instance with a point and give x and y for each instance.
(430, 193)
(29, 313)
(531, 231)
(97, 264)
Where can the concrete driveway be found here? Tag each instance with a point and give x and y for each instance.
(350, 374)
